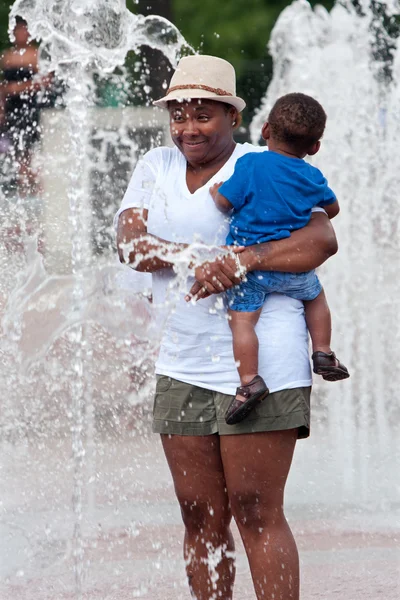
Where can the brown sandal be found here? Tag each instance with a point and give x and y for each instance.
(329, 366)
(254, 392)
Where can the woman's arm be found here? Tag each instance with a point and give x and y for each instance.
(145, 252)
(15, 88)
(304, 250)
(148, 253)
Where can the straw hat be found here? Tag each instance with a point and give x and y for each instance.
(202, 76)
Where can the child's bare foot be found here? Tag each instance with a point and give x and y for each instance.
(247, 396)
(328, 366)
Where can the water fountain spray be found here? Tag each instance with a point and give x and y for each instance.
(77, 38)
(349, 59)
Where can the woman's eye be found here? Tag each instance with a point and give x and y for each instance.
(177, 118)
(203, 117)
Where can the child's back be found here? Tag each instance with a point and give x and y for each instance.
(273, 195)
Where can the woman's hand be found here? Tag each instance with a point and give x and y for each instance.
(216, 276)
(304, 250)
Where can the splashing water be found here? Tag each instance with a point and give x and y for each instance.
(55, 325)
(351, 65)
(95, 33)
(78, 37)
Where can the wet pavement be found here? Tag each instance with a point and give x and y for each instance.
(124, 540)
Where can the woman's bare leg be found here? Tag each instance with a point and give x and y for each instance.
(196, 468)
(256, 468)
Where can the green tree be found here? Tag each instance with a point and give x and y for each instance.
(4, 10)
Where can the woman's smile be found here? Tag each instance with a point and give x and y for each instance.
(193, 144)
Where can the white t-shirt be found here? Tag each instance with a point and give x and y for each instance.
(196, 344)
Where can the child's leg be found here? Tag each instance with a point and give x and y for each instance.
(318, 319)
(245, 349)
(245, 343)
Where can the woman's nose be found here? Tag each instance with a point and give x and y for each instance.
(191, 127)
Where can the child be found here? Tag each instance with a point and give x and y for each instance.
(272, 194)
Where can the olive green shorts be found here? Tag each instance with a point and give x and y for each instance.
(185, 409)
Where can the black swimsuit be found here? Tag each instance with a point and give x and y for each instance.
(22, 112)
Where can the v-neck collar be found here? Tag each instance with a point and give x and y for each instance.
(216, 176)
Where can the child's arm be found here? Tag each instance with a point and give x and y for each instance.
(220, 201)
(332, 209)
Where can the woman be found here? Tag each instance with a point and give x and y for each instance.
(19, 90)
(220, 471)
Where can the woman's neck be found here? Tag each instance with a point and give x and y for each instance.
(215, 164)
(198, 175)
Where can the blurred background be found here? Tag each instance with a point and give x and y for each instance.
(238, 32)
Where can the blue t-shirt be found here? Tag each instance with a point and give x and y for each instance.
(272, 195)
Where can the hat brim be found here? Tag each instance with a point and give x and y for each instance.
(184, 95)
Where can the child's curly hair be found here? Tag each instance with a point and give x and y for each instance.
(298, 120)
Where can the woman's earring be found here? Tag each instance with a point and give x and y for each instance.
(234, 123)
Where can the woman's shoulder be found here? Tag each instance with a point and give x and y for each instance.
(6, 57)
(161, 153)
(247, 148)
(13, 59)
(162, 156)
(248, 155)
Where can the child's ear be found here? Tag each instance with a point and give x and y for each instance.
(314, 148)
(265, 132)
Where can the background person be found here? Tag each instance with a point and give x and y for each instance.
(220, 470)
(19, 91)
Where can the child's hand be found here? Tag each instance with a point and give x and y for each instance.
(214, 189)
(221, 202)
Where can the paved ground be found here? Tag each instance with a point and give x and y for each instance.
(130, 536)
